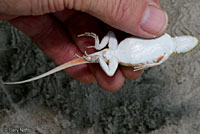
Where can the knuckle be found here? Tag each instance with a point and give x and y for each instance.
(59, 5)
(120, 10)
(39, 7)
(4, 6)
(77, 4)
(69, 4)
(36, 7)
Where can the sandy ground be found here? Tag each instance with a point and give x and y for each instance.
(165, 100)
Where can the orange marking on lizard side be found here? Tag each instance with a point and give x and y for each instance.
(72, 63)
(125, 64)
(77, 61)
(122, 63)
(159, 58)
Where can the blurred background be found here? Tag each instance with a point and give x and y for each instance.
(165, 100)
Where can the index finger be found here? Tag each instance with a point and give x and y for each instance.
(51, 38)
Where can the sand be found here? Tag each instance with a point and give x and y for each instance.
(165, 100)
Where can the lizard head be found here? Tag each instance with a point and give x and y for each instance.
(184, 44)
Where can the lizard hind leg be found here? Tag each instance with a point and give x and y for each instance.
(85, 57)
(109, 68)
(142, 66)
(148, 64)
(89, 58)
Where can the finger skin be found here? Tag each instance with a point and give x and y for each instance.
(157, 2)
(51, 38)
(130, 74)
(118, 14)
(7, 17)
(90, 24)
(126, 15)
(35, 27)
(106, 82)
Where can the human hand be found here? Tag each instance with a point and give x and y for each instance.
(56, 33)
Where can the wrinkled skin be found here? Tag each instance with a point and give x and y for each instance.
(56, 33)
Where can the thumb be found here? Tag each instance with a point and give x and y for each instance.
(139, 17)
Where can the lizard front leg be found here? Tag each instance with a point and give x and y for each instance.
(109, 68)
(109, 39)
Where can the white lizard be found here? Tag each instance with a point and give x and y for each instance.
(135, 52)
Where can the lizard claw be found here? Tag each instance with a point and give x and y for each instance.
(86, 54)
(78, 56)
(90, 47)
(137, 69)
(80, 35)
(86, 58)
(88, 34)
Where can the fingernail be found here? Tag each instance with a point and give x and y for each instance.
(154, 21)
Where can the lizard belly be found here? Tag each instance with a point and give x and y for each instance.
(133, 51)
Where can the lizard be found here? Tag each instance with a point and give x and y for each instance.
(138, 53)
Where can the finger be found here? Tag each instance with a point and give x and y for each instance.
(108, 83)
(7, 17)
(80, 23)
(130, 74)
(155, 1)
(138, 17)
(51, 38)
(31, 7)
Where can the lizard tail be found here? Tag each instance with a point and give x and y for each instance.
(74, 62)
